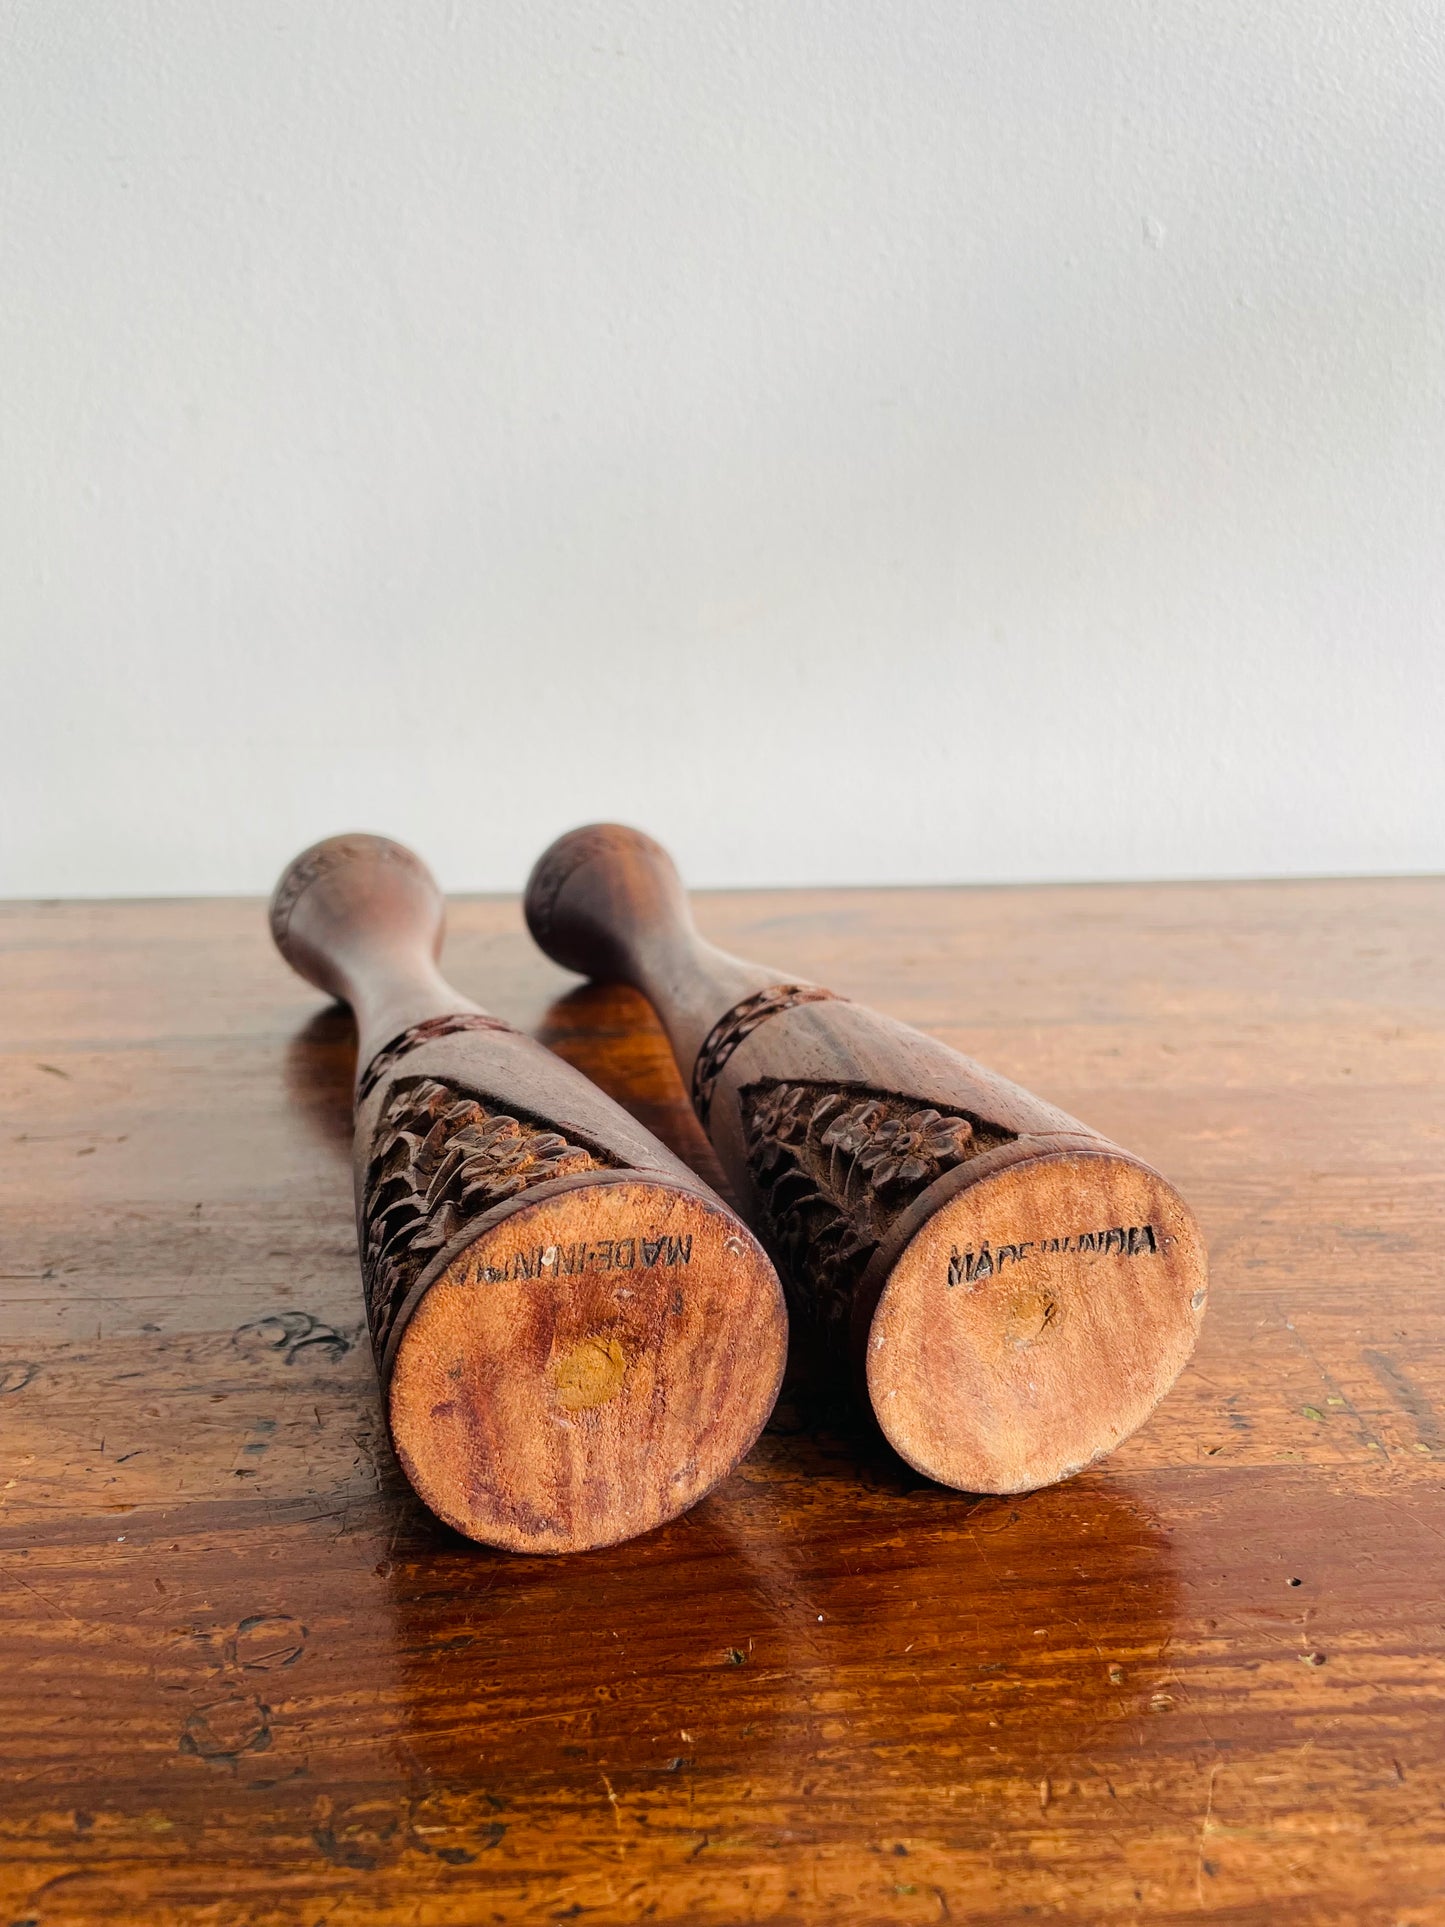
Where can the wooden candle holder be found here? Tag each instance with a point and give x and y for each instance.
(576, 1338)
(1015, 1293)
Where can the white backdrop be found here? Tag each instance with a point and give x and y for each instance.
(857, 442)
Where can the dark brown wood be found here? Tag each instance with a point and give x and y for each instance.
(1014, 1293)
(576, 1338)
(246, 1680)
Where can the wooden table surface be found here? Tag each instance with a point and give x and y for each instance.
(245, 1678)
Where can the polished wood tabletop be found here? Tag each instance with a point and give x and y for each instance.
(245, 1677)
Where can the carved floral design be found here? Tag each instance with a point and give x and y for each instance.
(441, 1160)
(897, 1150)
(738, 1023)
(834, 1171)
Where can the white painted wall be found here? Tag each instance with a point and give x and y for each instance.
(856, 441)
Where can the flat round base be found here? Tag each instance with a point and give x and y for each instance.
(588, 1367)
(1035, 1321)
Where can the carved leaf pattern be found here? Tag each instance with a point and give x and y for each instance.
(739, 1023)
(834, 1170)
(441, 1160)
(426, 1032)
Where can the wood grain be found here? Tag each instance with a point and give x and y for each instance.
(246, 1678)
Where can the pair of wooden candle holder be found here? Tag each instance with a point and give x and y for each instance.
(577, 1339)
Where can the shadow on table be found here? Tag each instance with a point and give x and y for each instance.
(319, 1067)
(612, 1035)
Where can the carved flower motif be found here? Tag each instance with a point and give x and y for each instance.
(447, 1161)
(834, 1168)
(899, 1150)
(493, 1158)
(781, 1119)
(853, 1130)
(507, 1161)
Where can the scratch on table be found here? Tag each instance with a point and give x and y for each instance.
(616, 1809)
(58, 1610)
(983, 1555)
(1203, 1832)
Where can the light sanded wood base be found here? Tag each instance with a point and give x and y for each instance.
(1035, 1321)
(588, 1367)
